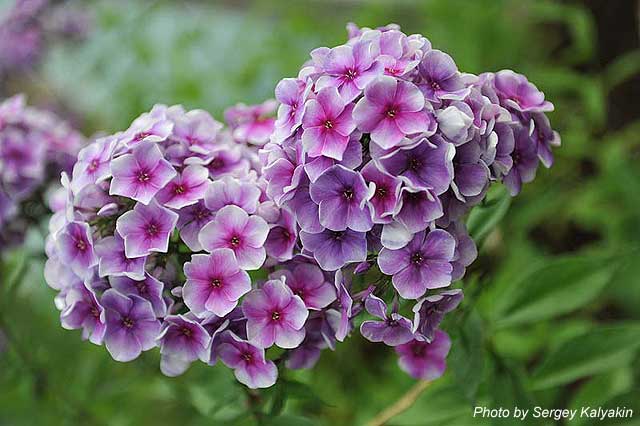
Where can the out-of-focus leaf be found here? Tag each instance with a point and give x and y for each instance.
(288, 420)
(466, 360)
(485, 217)
(554, 288)
(599, 350)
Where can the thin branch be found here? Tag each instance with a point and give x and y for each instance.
(401, 405)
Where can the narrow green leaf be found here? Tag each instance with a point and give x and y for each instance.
(484, 218)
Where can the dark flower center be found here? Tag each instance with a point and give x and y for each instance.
(140, 136)
(93, 165)
(127, 322)
(152, 230)
(81, 245)
(328, 124)
(247, 356)
(417, 258)
(275, 316)
(381, 192)
(391, 112)
(217, 163)
(351, 74)
(516, 158)
(202, 214)
(348, 193)
(415, 164)
(142, 287)
(179, 189)
(143, 176)
(337, 235)
(186, 331)
(435, 85)
(418, 350)
(95, 312)
(216, 283)
(235, 241)
(299, 292)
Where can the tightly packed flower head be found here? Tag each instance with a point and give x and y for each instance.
(381, 147)
(161, 225)
(35, 145)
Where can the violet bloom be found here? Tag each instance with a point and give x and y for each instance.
(76, 247)
(390, 110)
(141, 174)
(196, 128)
(386, 194)
(186, 188)
(334, 249)
(282, 237)
(417, 209)
(504, 148)
(545, 137)
(305, 209)
(232, 191)
(425, 164)
(525, 162)
(132, 326)
(252, 123)
(275, 316)
(339, 318)
(471, 172)
(146, 229)
(307, 281)
(350, 69)
(214, 283)
(233, 228)
(440, 76)
(112, 260)
(283, 177)
(152, 126)
(422, 264)
(84, 311)
(93, 163)
(192, 219)
(515, 91)
(393, 330)
(429, 312)
(250, 366)
(290, 92)
(148, 288)
(423, 360)
(182, 341)
(327, 124)
(342, 196)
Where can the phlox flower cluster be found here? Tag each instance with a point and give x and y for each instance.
(381, 147)
(35, 145)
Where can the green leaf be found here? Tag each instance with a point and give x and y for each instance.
(601, 389)
(485, 217)
(466, 360)
(599, 350)
(288, 420)
(555, 288)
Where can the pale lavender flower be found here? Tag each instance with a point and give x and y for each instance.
(334, 249)
(112, 260)
(440, 77)
(76, 247)
(307, 281)
(192, 219)
(393, 330)
(149, 288)
(423, 360)
(232, 191)
(429, 312)
(248, 361)
(516, 92)
(182, 341)
(186, 188)
(84, 311)
(386, 194)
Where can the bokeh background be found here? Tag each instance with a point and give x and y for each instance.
(552, 309)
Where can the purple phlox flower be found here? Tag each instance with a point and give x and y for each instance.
(233, 228)
(305, 209)
(282, 237)
(471, 172)
(283, 177)
(327, 124)
(393, 330)
(248, 361)
(151, 126)
(148, 288)
(440, 77)
(141, 174)
(132, 326)
(334, 249)
(525, 161)
(351, 159)
(355, 32)
(186, 188)
(342, 196)
(545, 137)
(503, 162)
(428, 163)
(307, 354)
(93, 163)
(192, 219)
(214, 283)
(349, 68)
(89, 202)
(182, 340)
(223, 160)
(232, 191)
(22, 159)
(363, 267)
(516, 92)
(252, 124)
(197, 129)
(466, 251)
(84, 311)
(398, 53)
(423, 360)
(386, 194)
(429, 312)
(291, 93)
(422, 264)
(75, 244)
(417, 209)
(146, 229)
(339, 318)
(455, 122)
(392, 109)
(112, 260)
(307, 281)
(275, 316)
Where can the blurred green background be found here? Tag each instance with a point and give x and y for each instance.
(551, 316)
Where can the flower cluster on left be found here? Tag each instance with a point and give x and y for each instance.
(161, 224)
(35, 145)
